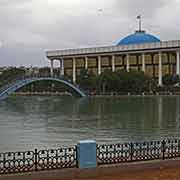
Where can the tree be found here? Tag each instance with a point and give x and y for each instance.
(45, 71)
(86, 80)
(108, 81)
(133, 81)
(10, 75)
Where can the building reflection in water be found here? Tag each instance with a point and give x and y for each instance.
(54, 121)
(160, 112)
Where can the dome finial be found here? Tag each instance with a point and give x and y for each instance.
(139, 18)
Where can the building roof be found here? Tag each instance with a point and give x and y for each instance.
(134, 48)
(137, 38)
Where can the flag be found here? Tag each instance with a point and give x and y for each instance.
(139, 17)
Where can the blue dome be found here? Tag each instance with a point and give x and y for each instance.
(137, 38)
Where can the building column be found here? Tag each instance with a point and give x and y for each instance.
(62, 67)
(143, 62)
(74, 70)
(177, 63)
(51, 69)
(169, 64)
(153, 64)
(127, 62)
(160, 70)
(86, 62)
(99, 65)
(113, 63)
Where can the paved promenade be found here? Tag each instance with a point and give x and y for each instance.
(155, 170)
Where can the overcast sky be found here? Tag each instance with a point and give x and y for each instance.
(29, 27)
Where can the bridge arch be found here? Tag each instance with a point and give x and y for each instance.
(5, 92)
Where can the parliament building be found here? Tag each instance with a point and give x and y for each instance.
(138, 51)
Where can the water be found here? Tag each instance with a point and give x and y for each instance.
(50, 122)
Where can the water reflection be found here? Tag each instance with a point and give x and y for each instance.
(41, 122)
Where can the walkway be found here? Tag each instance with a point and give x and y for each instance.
(154, 170)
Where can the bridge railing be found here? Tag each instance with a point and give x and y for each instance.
(20, 81)
(21, 78)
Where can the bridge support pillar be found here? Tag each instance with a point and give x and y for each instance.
(51, 69)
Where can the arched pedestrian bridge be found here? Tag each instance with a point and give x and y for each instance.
(12, 87)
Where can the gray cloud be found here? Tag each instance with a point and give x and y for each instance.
(28, 27)
(147, 8)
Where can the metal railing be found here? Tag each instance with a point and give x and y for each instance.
(16, 162)
(27, 161)
(129, 152)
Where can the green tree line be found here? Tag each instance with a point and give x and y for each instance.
(107, 82)
(10, 75)
(122, 82)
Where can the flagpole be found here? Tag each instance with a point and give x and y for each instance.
(139, 23)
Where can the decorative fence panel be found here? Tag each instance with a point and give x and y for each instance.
(172, 149)
(128, 152)
(113, 153)
(146, 151)
(56, 159)
(14, 162)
